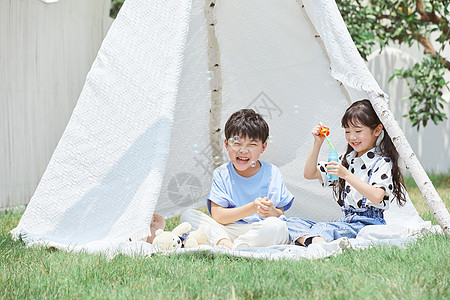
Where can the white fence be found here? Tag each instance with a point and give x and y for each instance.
(46, 51)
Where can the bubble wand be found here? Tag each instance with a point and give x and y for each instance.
(325, 132)
(332, 156)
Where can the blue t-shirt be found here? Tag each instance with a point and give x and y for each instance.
(230, 190)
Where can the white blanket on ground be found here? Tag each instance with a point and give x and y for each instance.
(403, 227)
(388, 235)
(370, 236)
(139, 138)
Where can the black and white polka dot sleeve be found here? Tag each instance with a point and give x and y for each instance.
(382, 177)
(322, 167)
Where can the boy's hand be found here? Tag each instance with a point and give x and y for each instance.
(266, 208)
(336, 168)
(257, 203)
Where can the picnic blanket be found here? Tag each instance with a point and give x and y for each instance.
(388, 235)
(404, 226)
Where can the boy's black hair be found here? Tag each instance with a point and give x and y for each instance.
(247, 123)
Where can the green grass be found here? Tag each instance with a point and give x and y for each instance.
(419, 271)
(442, 184)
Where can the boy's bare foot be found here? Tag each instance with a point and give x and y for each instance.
(158, 222)
(226, 242)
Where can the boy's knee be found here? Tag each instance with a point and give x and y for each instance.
(190, 215)
(273, 226)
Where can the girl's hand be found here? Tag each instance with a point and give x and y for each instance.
(316, 133)
(336, 168)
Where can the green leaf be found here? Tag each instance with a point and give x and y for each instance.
(398, 31)
(392, 77)
(436, 119)
(425, 79)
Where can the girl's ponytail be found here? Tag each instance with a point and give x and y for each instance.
(388, 149)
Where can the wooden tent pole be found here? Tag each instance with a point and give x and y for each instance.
(405, 151)
(215, 74)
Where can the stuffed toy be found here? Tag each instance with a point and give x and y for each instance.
(196, 238)
(177, 238)
(158, 222)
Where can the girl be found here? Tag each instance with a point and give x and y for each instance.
(369, 178)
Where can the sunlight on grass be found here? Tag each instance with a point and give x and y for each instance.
(442, 185)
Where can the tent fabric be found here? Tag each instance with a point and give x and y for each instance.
(138, 141)
(107, 170)
(346, 64)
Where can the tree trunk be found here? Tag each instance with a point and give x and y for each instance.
(215, 76)
(421, 178)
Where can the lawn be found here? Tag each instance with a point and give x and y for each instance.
(419, 271)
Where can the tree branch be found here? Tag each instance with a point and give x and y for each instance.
(430, 49)
(431, 17)
(419, 5)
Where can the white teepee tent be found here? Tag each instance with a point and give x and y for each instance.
(146, 132)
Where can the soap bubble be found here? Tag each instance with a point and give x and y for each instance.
(270, 139)
(236, 138)
(195, 149)
(209, 75)
(217, 160)
(231, 141)
(253, 164)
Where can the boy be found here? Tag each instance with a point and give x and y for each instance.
(247, 195)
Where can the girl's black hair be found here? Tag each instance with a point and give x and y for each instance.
(361, 112)
(247, 123)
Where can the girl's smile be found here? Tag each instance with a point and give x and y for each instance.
(361, 138)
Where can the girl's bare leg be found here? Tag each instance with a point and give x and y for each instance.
(316, 239)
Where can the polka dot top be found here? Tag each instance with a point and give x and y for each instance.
(361, 167)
